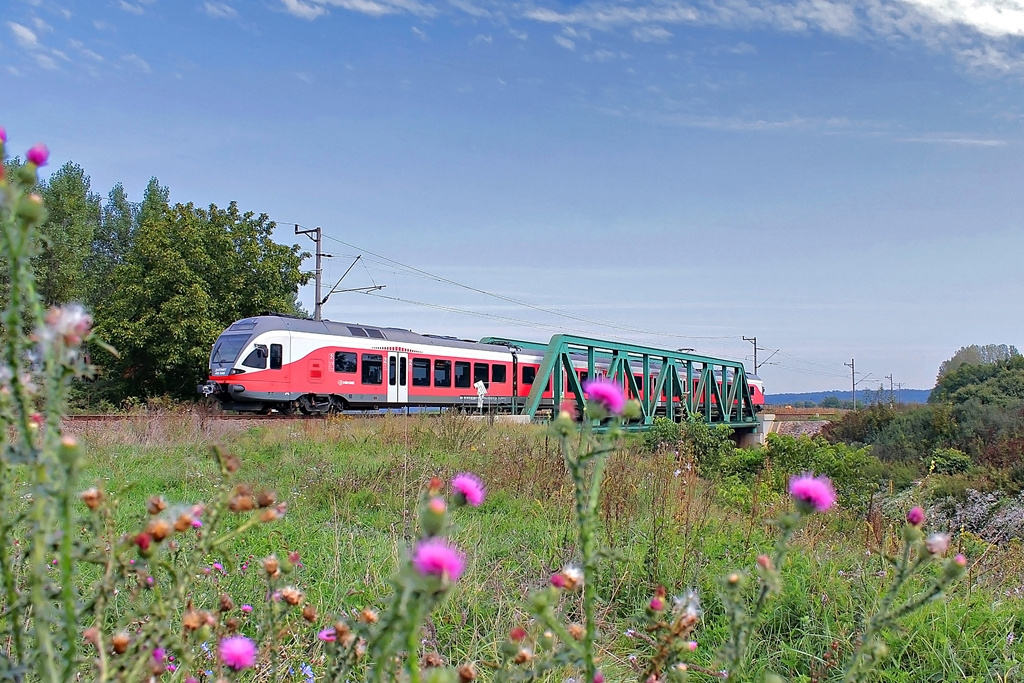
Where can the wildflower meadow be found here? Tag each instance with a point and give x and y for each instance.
(436, 548)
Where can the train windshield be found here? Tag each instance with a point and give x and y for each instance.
(227, 348)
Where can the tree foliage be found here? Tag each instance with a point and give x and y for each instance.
(161, 280)
(989, 354)
(190, 272)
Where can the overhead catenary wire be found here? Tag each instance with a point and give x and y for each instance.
(398, 268)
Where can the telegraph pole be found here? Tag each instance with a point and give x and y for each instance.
(753, 340)
(318, 240)
(853, 380)
(892, 396)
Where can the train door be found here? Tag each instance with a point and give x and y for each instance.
(398, 377)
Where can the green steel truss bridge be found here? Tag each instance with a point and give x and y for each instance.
(666, 383)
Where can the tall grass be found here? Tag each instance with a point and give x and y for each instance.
(349, 484)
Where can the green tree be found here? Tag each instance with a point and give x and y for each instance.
(67, 235)
(189, 274)
(989, 354)
(112, 241)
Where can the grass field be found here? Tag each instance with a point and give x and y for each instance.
(350, 485)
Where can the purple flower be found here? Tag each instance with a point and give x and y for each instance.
(812, 493)
(246, 608)
(328, 635)
(436, 557)
(468, 489)
(237, 652)
(916, 516)
(3, 135)
(38, 155)
(606, 393)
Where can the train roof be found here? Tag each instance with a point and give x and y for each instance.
(267, 323)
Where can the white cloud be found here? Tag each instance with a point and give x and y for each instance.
(41, 26)
(957, 139)
(25, 36)
(46, 61)
(519, 35)
(303, 10)
(220, 10)
(565, 42)
(129, 7)
(483, 38)
(101, 25)
(136, 62)
(991, 17)
(311, 9)
(419, 33)
(600, 55)
(651, 34)
(84, 51)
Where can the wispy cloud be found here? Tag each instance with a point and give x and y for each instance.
(25, 36)
(567, 43)
(303, 10)
(419, 33)
(129, 7)
(46, 61)
(957, 139)
(311, 9)
(651, 34)
(84, 51)
(136, 62)
(220, 10)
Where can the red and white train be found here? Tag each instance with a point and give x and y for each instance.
(282, 363)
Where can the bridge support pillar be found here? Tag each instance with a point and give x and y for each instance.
(765, 425)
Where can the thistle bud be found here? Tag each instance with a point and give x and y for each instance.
(271, 565)
(119, 642)
(432, 516)
(159, 529)
(291, 595)
(155, 505)
(368, 616)
(92, 497)
(266, 498)
(226, 603)
(309, 613)
(466, 673)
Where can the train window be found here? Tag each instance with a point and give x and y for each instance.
(421, 372)
(344, 361)
(529, 374)
(584, 376)
(376, 334)
(257, 358)
(442, 373)
(498, 374)
(391, 371)
(276, 356)
(357, 332)
(462, 374)
(481, 373)
(228, 347)
(402, 363)
(373, 368)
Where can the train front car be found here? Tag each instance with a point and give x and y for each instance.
(247, 367)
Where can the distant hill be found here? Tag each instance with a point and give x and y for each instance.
(815, 397)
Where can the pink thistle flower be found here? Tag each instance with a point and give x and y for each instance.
(3, 135)
(598, 677)
(960, 560)
(328, 635)
(606, 393)
(468, 489)
(692, 646)
(558, 580)
(916, 516)
(190, 679)
(937, 544)
(38, 155)
(237, 652)
(246, 608)
(812, 493)
(436, 557)
(657, 604)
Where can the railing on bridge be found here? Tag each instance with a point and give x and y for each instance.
(666, 383)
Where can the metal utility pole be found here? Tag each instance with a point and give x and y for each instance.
(753, 340)
(318, 240)
(853, 380)
(892, 396)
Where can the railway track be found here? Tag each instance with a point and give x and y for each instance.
(213, 416)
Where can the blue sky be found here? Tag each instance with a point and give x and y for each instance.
(839, 179)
